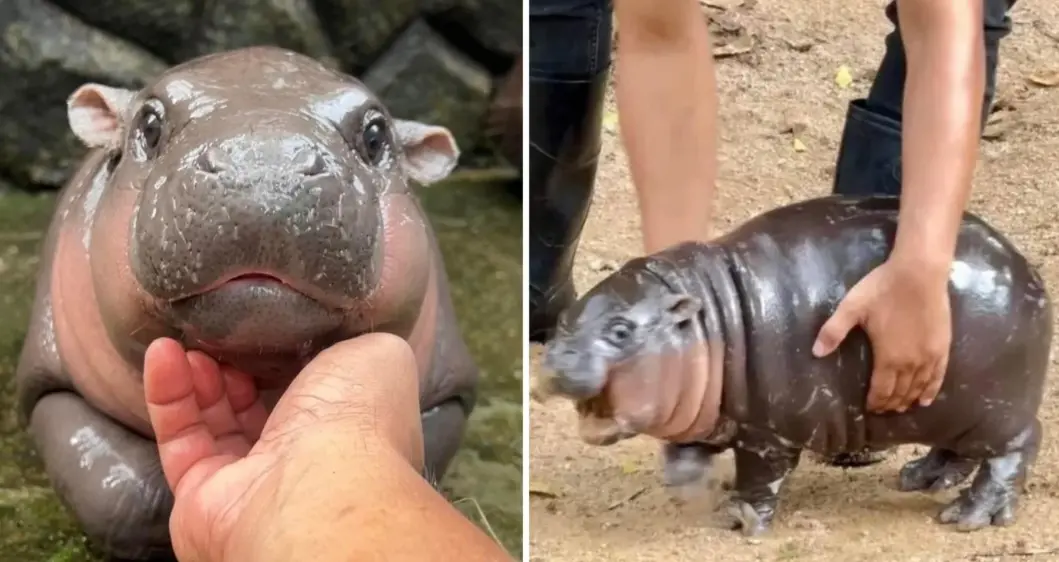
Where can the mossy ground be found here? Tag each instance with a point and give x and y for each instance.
(479, 226)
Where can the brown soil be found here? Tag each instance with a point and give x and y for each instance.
(596, 504)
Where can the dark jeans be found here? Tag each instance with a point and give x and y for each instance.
(570, 40)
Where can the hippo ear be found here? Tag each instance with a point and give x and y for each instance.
(681, 307)
(96, 114)
(430, 151)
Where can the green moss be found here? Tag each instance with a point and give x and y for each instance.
(479, 228)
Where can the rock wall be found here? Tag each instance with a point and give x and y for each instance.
(432, 60)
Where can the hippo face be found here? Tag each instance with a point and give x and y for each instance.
(251, 191)
(628, 321)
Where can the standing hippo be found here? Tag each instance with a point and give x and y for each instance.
(256, 206)
(748, 306)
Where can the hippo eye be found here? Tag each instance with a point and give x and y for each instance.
(373, 140)
(619, 332)
(149, 129)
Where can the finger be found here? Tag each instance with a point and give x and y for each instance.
(367, 386)
(883, 381)
(930, 393)
(903, 382)
(246, 402)
(837, 327)
(211, 395)
(182, 436)
(920, 382)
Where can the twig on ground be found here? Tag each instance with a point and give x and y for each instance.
(1023, 553)
(626, 500)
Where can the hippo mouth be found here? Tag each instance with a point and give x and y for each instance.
(255, 312)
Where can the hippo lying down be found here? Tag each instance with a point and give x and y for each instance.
(254, 205)
(753, 301)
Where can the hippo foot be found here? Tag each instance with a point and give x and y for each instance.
(992, 497)
(686, 464)
(936, 471)
(974, 510)
(749, 520)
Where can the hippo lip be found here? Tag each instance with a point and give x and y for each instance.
(260, 277)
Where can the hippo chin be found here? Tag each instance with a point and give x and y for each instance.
(252, 204)
(755, 300)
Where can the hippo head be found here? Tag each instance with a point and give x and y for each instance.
(255, 201)
(628, 322)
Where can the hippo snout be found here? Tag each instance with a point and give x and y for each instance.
(306, 161)
(576, 375)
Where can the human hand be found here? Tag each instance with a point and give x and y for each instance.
(905, 311)
(241, 477)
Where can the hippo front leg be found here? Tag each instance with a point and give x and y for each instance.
(993, 495)
(108, 476)
(687, 464)
(443, 429)
(760, 472)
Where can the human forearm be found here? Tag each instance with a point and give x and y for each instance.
(667, 101)
(346, 507)
(944, 88)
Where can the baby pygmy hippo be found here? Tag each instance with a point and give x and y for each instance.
(753, 301)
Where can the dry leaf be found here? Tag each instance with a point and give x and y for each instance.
(998, 125)
(799, 146)
(739, 46)
(610, 121)
(721, 4)
(843, 77)
(1045, 79)
(800, 44)
(629, 467)
(541, 491)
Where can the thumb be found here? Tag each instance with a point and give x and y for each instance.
(834, 331)
(365, 388)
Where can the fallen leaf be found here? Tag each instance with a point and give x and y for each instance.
(800, 44)
(721, 4)
(610, 121)
(799, 146)
(1045, 79)
(541, 491)
(739, 46)
(999, 124)
(630, 467)
(843, 77)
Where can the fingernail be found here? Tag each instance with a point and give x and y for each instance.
(818, 349)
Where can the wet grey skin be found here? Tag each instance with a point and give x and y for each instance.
(765, 289)
(252, 204)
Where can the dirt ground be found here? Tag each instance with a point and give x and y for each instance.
(595, 504)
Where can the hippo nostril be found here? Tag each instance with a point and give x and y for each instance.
(214, 161)
(308, 162)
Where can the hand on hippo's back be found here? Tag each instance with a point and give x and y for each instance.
(904, 309)
(341, 445)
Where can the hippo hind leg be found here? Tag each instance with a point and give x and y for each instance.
(109, 477)
(940, 469)
(993, 495)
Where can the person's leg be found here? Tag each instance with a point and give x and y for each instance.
(569, 60)
(869, 157)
